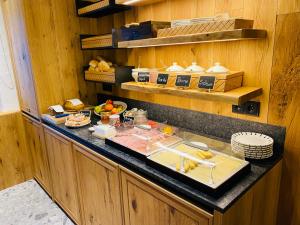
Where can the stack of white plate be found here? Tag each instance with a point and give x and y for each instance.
(252, 145)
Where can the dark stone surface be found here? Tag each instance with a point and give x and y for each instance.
(172, 184)
(216, 126)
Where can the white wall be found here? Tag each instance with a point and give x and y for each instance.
(8, 93)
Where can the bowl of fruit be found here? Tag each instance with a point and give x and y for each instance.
(113, 107)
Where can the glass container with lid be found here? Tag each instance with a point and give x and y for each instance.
(140, 117)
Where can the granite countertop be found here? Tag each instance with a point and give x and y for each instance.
(203, 200)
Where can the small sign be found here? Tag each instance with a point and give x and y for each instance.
(207, 82)
(183, 80)
(162, 78)
(143, 77)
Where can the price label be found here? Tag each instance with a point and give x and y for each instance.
(183, 80)
(207, 82)
(162, 78)
(143, 77)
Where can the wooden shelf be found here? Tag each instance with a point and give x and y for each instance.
(237, 96)
(233, 35)
(100, 9)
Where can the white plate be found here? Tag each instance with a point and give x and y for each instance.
(87, 122)
(115, 103)
(252, 139)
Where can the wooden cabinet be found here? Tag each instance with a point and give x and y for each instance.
(99, 185)
(13, 15)
(63, 174)
(147, 204)
(36, 143)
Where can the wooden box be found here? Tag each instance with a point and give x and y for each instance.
(173, 75)
(144, 30)
(122, 74)
(225, 82)
(206, 27)
(98, 42)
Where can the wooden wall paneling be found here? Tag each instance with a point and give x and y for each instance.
(232, 7)
(13, 14)
(66, 36)
(253, 57)
(290, 6)
(284, 110)
(227, 53)
(87, 90)
(44, 52)
(15, 160)
(256, 56)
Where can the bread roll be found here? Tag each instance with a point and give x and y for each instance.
(103, 66)
(93, 63)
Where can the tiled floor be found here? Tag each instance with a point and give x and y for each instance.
(28, 204)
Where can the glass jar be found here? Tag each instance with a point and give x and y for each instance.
(140, 117)
(135, 73)
(114, 120)
(105, 117)
(153, 75)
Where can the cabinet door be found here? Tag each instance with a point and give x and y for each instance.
(99, 188)
(17, 35)
(36, 144)
(63, 174)
(147, 204)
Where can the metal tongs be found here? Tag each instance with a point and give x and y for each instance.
(187, 156)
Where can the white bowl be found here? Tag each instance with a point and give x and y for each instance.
(115, 103)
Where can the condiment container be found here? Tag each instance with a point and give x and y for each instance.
(194, 68)
(175, 68)
(105, 117)
(153, 75)
(114, 120)
(135, 72)
(217, 69)
(140, 117)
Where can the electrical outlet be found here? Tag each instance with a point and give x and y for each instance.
(248, 108)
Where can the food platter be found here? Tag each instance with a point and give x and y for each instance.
(210, 178)
(119, 103)
(79, 124)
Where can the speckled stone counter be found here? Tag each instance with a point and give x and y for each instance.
(205, 201)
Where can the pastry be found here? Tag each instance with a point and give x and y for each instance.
(74, 104)
(93, 63)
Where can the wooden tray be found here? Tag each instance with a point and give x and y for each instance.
(105, 77)
(223, 177)
(226, 82)
(101, 41)
(206, 27)
(122, 74)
